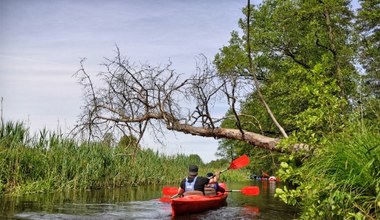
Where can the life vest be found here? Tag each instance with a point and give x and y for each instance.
(213, 186)
(190, 186)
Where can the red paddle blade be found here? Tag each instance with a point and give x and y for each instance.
(239, 162)
(169, 191)
(251, 190)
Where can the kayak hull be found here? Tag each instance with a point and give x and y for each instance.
(196, 203)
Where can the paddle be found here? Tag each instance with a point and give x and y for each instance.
(248, 190)
(169, 191)
(172, 191)
(238, 163)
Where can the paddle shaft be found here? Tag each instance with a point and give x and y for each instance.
(248, 190)
(238, 163)
(224, 170)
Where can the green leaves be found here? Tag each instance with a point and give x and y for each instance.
(303, 60)
(232, 59)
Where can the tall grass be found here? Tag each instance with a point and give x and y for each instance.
(342, 181)
(48, 161)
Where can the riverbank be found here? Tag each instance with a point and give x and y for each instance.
(50, 162)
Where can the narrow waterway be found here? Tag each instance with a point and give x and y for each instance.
(142, 203)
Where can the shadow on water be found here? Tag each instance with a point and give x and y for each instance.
(141, 203)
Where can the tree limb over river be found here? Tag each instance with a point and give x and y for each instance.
(133, 97)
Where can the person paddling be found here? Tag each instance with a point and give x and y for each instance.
(194, 184)
(213, 188)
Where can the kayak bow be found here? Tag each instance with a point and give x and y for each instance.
(196, 203)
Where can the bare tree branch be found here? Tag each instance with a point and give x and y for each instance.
(132, 98)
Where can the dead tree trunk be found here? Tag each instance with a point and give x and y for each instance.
(131, 98)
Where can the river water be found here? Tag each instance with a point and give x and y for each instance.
(143, 203)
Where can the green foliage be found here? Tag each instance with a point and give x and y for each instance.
(367, 25)
(226, 150)
(128, 141)
(304, 62)
(232, 59)
(49, 162)
(342, 180)
(307, 77)
(219, 163)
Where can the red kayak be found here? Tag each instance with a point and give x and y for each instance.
(196, 203)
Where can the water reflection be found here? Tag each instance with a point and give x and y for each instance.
(151, 209)
(251, 211)
(141, 203)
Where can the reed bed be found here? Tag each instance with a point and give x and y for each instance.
(47, 162)
(342, 181)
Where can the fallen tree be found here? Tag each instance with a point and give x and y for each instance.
(132, 98)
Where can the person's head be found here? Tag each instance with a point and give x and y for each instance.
(209, 175)
(193, 170)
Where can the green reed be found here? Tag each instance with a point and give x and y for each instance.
(342, 181)
(48, 161)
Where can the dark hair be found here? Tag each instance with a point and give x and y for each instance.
(209, 174)
(193, 170)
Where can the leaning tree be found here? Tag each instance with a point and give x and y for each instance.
(132, 98)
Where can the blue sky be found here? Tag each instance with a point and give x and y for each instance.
(42, 42)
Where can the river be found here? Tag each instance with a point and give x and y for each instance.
(143, 203)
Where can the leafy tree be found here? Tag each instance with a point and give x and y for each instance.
(226, 150)
(367, 25)
(195, 159)
(128, 141)
(303, 55)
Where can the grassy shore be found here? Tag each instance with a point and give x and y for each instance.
(48, 162)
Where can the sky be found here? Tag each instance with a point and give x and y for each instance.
(42, 43)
